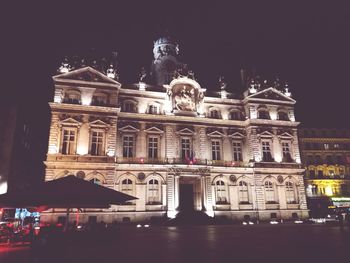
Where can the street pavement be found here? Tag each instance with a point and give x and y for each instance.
(224, 243)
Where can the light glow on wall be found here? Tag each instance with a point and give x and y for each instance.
(81, 150)
(52, 149)
(172, 214)
(86, 99)
(110, 153)
(328, 190)
(273, 115)
(57, 99)
(142, 86)
(3, 187)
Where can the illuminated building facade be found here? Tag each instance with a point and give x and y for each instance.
(175, 147)
(326, 156)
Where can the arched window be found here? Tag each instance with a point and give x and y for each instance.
(215, 114)
(129, 106)
(290, 193)
(235, 115)
(95, 181)
(269, 192)
(263, 114)
(283, 116)
(153, 192)
(127, 186)
(72, 97)
(221, 197)
(243, 192)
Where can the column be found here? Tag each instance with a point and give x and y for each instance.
(207, 195)
(170, 194)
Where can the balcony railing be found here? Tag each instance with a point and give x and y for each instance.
(276, 165)
(141, 160)
(79, 158)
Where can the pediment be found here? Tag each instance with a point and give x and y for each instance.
(129, 128)
(185, 131)
(237, 135)
(215, 134)
(86, 74)
(70, 122)
(271, 94)
(266, 134)
(98, 123)
(153, 129)
(286, 135)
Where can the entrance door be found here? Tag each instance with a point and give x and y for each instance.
(186, 197)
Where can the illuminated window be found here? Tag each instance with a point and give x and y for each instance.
(290, 193)
(220, 188)
(266, 151)
(185, 148)
(286, 152)
(215, 150)
(243, 192)
(237, 151)
(128, 146)
(336, 146)
(153, 192)
(127, 187)
(97, 143)
(269, 192)
(152, 147)
(68, 141)
(326, 146)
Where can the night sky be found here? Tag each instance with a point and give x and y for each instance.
(307, 44)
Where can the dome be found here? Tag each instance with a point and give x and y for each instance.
(164, 40)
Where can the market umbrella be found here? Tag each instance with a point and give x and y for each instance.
(67, 192)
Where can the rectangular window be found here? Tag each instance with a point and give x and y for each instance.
(68, 142)
(153, 147)
(326, 146)
(128, 146)
(215, 150)
(312, 173)
(185, 148)
(97, 143)
(266, 150)
(237, 151)
(286, 152)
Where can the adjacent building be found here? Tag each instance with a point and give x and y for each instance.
(326, 156)
(176, 148)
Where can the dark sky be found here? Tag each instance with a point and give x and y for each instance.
(306, 44)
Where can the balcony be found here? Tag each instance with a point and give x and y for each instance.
(80, 158)
(277, 165)
(292, 206)
(272, 206)
(206, 162)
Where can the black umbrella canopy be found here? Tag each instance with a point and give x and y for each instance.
(66, 192)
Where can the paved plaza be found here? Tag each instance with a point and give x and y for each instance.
(225, 243)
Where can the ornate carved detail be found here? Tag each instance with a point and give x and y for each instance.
(233, 178)
(280, 179)
(81, 174)
(202, 171)
(141, 176)
(175, 170)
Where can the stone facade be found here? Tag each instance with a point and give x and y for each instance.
(175, 148)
